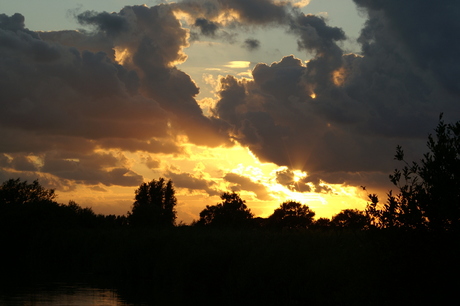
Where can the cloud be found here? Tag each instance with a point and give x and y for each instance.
(92, 169)
(235, 11)
(287, 177)
(301, 3)
(98, 188)
(251, 44)
(152, 163)
(342, 114)
(60, 99)
(246, 184)
(191, 182)
(110, 23)
(238, 64)
(433, 48)
(72, 100)
(207, 28)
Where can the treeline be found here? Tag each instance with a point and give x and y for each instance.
(30, 205)
(428, 199)
(402, 252)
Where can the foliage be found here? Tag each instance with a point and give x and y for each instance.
(232, 212)
(351, 218)
(429, 191)
(154, 205)
(15, 192)
(25, 206)
(321, 223)
(291, 215)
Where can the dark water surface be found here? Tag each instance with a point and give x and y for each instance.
(59, 293)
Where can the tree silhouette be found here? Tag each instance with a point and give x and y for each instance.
(291, 215)
(154, 205)
(232, 212)
(429, 191)
(13, 192)
(27, 206)
(321, 223)
(33, 207)
(351, 218)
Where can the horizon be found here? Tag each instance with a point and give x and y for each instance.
(294, 100)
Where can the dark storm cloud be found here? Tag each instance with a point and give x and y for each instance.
(73, 94)
(342, 114)
(314, 34)
(321, 40)
(14, 23)
(154, 45)
(115, 87)
(251, 44)
(275, 116)
(110, 23)
(151, 41)
(428, 32)
(246, 184)
(338, 117)
(81, 41)
(207, 28)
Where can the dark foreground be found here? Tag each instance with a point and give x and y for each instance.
(195, 266)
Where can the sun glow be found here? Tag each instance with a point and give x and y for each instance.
(257, 183)
(338, 76)
(122, 55)
(298, 175)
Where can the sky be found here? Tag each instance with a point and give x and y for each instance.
(276, 100)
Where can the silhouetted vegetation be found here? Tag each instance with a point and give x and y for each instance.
(30, 206)
(14, 193)
(230, 257)
(291, 215)
(351, 219)
(321, 223)
(154, 205)
(429, 191)
(231, 213)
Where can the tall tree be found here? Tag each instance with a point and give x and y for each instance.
(291, 214)
(232, 212)
(429, 191)
(154, 205)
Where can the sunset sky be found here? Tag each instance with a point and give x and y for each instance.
(277, 100)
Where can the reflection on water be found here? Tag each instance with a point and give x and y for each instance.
(62, 294)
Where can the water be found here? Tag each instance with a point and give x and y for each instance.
(59, 293)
